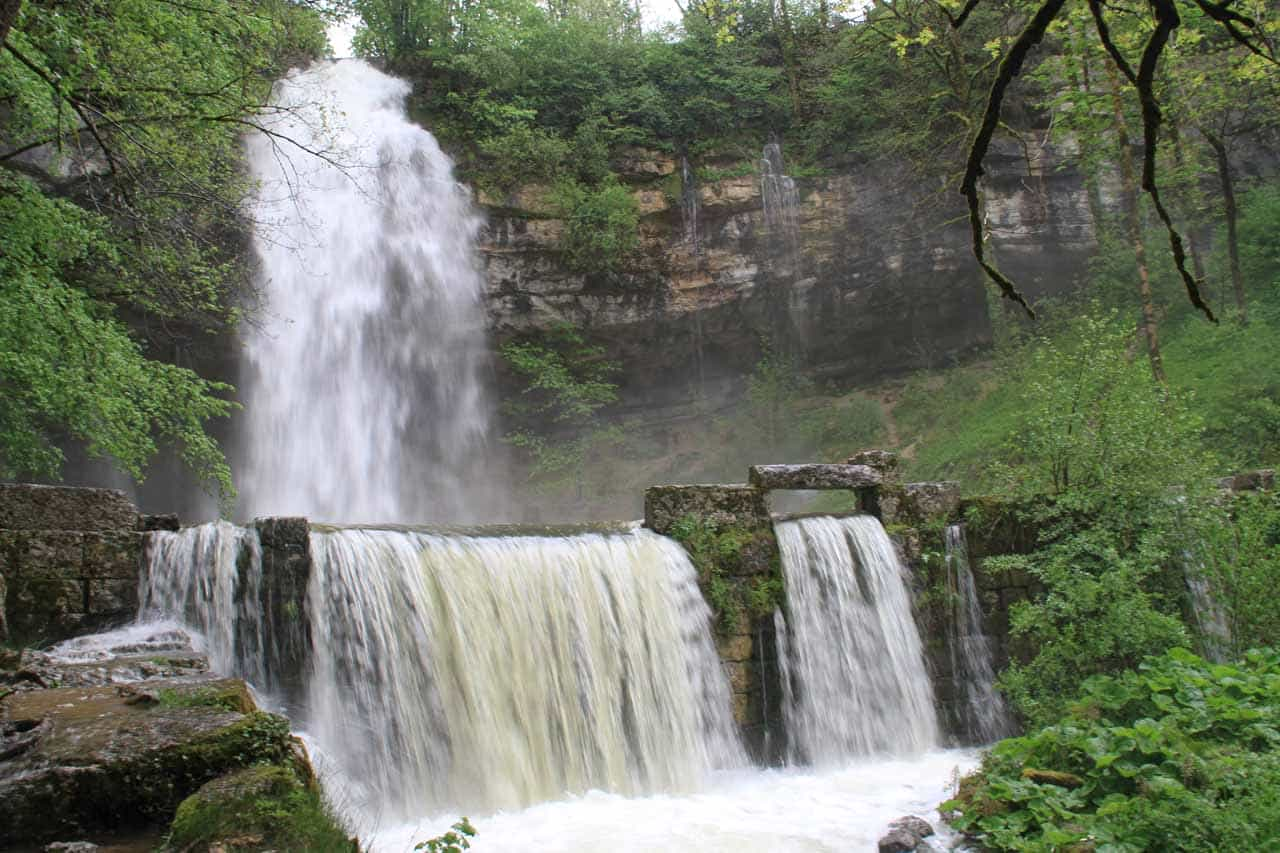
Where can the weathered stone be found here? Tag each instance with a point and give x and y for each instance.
(71, 847)
(101, 764)
(930, 501)
(813, 476)
(737, 647)
(1263, 480)
(54, 553)
(286, 573)
(112, 555)
(160, 521)
(643, 163)
(897, 841)
(24, 506)
(884, 461)
(738, 505)
(917, 826)
(4, 622)
(740, 676)
(282, 531)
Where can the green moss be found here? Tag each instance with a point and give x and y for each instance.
(235, 698)
(738, 567)
(268, 807)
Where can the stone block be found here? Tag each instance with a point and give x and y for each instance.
(724, 505)
(110, 597)
(24, 506)
(737, 647)
(47, 554)
(814, 476)
(927, 501)
(112, 555)
(282, 531)
(162, 521)
(741, 676)
(884, 461)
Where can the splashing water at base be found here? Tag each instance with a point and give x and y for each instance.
(755, 811)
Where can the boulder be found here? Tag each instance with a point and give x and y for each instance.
(814, 476)
(260, 808)
(83, 760)
(905, 835)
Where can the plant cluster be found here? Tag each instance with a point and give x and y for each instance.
(1179, 754)
(728, 560)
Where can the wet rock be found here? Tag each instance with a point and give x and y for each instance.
(257, 809)
(98, 763)
(71, 847)
(905, 835)
(160, 521)
(884, 461)
(814, 476)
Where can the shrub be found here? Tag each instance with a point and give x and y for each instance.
(601, 225)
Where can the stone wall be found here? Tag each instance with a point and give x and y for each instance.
(69, 561)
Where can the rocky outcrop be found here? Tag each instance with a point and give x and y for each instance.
(876, 280)
(88, 760)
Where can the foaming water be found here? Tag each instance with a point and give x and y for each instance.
(854, 667)
(365, 398)
(752, 811)
(984, 715)
(487, 673)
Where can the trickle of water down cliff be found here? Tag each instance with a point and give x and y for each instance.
(563, 691)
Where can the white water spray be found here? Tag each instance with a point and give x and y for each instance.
(854, 664)
(364, 392)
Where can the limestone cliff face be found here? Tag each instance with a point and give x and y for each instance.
(874, 278)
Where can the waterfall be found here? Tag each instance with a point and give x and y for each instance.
(983, 713)
(364, 397)
(854, 667)
(208, 577)
(689, 205)
(474, 673)
(780, 199)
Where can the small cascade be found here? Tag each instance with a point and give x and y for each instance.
(689, 205)
(1210, 618)
(208, 578)
(853, 668)
(477, 673)
(983, 713)
(781, 201)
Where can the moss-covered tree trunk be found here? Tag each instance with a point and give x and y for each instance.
(1231, 214)
(8, 14)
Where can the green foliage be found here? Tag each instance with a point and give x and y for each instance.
(457, 839)
(554, 420)
(727, 558)
(1177, 755)
(601, 225)
(128, 204)
(70, 367)
(265, 802)
(1238, 551)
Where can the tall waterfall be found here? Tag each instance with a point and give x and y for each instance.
(364, 388)
(473, 673)
(984, 715)
(854, 667)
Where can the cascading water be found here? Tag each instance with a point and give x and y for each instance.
(479, 672)
(208, 577)
(780, 199)
(854, 665)
(984, 715)
(364, 387)
(689, 205)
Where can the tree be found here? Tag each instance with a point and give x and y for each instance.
(121, 189)
(1247, 29)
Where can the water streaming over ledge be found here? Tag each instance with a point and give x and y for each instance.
(364, 383)
(854, 671)
(480, 673)
(983, 712)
